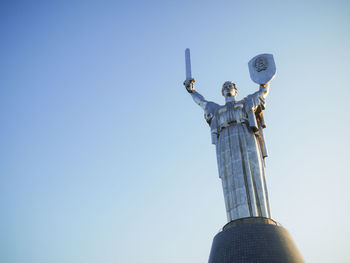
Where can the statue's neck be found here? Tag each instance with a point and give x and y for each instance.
(230, 99)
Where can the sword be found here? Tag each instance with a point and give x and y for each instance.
(188, 64)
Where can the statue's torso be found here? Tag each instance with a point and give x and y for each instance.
(222, 116)
(230, 113)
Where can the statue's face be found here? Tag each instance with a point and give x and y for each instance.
(229, 90)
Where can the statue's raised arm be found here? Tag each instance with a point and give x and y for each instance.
(198, 98)
(264, 90)
(209, 107)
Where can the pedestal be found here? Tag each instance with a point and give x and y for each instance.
(254, 240)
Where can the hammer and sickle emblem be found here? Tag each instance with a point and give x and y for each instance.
(261, 64)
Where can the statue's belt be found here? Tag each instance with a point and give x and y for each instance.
(225, 125)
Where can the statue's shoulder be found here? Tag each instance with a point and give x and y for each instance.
(249, 99)
(212, 107)
(254, 95)
(242, 101)
(210, 110)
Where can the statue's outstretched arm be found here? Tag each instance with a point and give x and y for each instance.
(254, 104)
(198, 98)
(264, 90)
(208, 107)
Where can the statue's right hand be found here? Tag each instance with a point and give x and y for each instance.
(188, 83)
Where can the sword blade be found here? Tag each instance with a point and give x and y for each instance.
(188, 64)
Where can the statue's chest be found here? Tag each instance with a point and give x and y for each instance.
(231, 113)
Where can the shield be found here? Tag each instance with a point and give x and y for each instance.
(262, 68)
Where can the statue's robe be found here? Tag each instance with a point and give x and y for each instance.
(237, 131)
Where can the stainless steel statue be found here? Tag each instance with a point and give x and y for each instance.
(237, 131)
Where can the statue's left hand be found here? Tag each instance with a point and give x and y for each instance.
(265, 85)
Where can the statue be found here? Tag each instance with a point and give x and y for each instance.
(237, 131)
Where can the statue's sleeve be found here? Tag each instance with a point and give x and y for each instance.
(258, 98)
(254, 105)
(199, 99)
(209, 113)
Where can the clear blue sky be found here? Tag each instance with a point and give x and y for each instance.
(104, 157)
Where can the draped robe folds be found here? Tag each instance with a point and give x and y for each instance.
(236, 129)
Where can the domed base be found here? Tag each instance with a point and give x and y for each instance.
(254, 240)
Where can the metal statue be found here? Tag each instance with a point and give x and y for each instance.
(237, 131)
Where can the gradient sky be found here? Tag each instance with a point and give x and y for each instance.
(104, 155)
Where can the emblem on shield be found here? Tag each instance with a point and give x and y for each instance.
(262, 68)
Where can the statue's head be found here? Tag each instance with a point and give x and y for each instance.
(229, 89)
